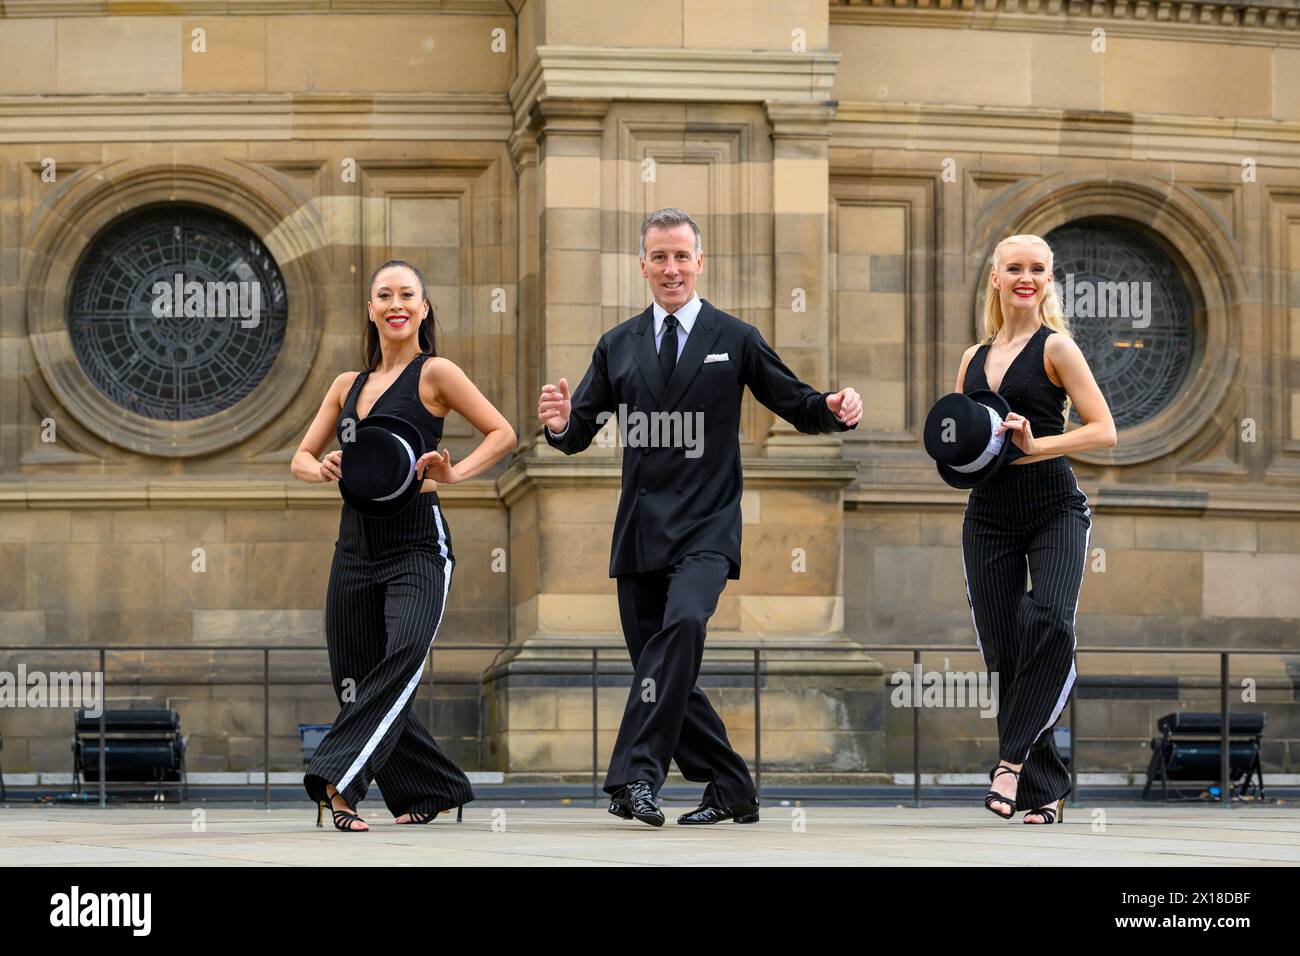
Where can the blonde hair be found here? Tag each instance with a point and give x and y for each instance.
(1050, 312)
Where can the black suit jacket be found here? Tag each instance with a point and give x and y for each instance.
(672, 504)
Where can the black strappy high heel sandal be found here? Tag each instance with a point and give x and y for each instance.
(993, 796)
(342, 818)
(419, 819)
(1054, 814)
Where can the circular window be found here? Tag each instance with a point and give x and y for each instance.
(1128, 309)
(176, 312)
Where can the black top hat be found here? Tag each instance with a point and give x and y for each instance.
(961, 436)
(378, 466)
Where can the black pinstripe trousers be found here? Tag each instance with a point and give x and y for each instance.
(388, 587)
(1028, 518)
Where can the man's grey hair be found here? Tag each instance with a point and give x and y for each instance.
(670, 218)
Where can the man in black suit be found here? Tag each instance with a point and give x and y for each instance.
(677, 532)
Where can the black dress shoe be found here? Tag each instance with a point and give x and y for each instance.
(746, 812)
(637, 801)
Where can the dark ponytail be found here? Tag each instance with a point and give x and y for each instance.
(426, 335)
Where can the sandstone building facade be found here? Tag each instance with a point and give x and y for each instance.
(852, 165)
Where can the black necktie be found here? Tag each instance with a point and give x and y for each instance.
(668, 347)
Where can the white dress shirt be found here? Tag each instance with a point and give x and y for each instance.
(686, 317)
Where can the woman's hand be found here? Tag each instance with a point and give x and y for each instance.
(437, 465)
(331, 466)
(1022, 434)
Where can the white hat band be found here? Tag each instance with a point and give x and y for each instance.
(409, 475)
(994, 446)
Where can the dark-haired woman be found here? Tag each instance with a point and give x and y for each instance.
(390, 577)
(1030, 516)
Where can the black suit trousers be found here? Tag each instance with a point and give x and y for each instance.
(665, 614)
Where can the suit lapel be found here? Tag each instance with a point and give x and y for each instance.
(704, 333)
(647, 359)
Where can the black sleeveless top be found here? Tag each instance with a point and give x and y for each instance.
(1025, 385)
(402, 398)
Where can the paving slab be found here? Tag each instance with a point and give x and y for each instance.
(532, 835)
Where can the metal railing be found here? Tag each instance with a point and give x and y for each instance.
(727, 645)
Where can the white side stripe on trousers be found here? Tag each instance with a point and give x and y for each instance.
(1074, 622)
(414, 682)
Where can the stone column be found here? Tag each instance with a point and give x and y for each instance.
(561, 190)
(800, 288)
(578, 125)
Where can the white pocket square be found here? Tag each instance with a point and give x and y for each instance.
(716, 357)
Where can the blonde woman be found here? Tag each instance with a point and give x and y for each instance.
(1030, 516)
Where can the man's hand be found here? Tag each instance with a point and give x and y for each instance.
(554, 406)
(846, 404)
